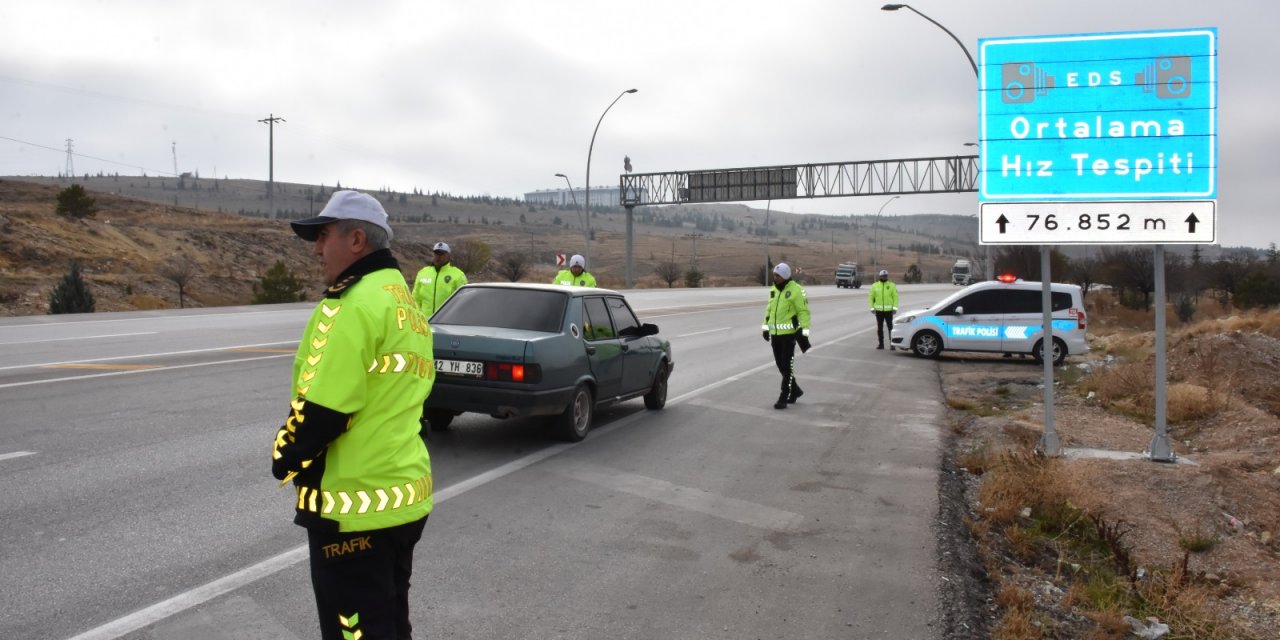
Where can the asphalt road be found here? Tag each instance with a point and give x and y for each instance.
(137, 501)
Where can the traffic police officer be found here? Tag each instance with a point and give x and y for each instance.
(576, 275)
(884, 301)
(438, 280)
(786, 324)
(350, 443)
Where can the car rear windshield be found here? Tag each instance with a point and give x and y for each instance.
(526, 309)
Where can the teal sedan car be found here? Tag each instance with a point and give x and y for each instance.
(516, 349)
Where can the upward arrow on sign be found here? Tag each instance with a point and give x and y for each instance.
(1191, 223)
(1002, 221)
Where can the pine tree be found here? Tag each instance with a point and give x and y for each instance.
(278, 285)
(75, 202)
(71, 294)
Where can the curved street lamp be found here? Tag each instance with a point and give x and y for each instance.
(875, 263)
(575, 200)
(990, 270)
(587, 193)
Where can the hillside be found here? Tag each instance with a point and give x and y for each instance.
(143, 223)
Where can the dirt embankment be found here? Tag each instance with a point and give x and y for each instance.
(1071, 545)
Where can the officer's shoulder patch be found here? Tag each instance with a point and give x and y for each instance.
(448, 278)
(786, 294)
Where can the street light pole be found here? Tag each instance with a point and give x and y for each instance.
(875, 261)
(270, 121)
(990, 268)
(587, 193)
(575, 201)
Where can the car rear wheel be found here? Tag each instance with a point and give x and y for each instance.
(657, 396)
(573, 424)
(926, 344)
(1059, 352)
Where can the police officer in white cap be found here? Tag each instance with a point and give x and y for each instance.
(576, 275)
(786, 324)
(884, 301)
(438, 280)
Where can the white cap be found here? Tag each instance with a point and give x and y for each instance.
(884, 272)
(344, 205)
(783, 270)
(577, 261)
(441, 246)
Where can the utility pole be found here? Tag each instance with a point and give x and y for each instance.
(70, 171)
(175, 159)
(271, 121)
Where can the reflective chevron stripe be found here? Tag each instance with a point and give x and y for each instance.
(363, 501)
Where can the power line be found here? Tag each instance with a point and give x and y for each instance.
(88, 157)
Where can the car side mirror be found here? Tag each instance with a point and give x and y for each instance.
(648, 329)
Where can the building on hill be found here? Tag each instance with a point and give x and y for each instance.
(600, 197)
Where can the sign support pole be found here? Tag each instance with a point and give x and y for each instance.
(1160, 449)
(1049, 443)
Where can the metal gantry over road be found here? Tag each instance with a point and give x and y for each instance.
(945, 174)
(949, 174)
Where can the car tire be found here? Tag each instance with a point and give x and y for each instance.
(572, 425)
(926, 344)
(439, 419)
(657, 396)
(1059, 352)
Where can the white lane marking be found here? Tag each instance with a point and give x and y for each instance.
(151, 355)
(752, 514)
(199, 595)
(105, 335)
(698, 333)
(16, 454)
(133, 371)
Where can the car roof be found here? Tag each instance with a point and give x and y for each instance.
(538, 286)
(1020, 284)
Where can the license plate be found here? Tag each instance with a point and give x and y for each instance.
(460, 368)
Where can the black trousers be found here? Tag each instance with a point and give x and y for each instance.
(784, 355)
(884, 319)
(361, 581)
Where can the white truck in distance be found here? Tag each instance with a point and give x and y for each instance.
(961, 273)
(848, 276)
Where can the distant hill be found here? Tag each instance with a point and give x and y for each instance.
(223, 225)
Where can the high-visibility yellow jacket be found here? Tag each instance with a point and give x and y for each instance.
(432, 286)
(351, 442)
(883, 296)
(566, 277)
(787, 311)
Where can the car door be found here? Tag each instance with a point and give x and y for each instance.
(604, 347)
(973, 322)
(1024, 317)
(637, 350)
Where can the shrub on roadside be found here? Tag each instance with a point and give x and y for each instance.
(71, 294)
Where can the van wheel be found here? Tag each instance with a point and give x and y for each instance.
(1059, 352)
(657, 396)
(573, 424)
(927, 344)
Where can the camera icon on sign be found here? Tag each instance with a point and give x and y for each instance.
(1021, 82)
(1169, 77)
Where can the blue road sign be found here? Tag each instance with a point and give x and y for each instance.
(1099, 117)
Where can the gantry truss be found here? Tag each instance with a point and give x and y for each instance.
(952, 174)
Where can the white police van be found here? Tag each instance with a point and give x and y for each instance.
(1000, 316)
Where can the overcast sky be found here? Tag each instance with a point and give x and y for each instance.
(496, 96)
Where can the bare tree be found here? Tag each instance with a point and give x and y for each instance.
(180, 270)
(669, 272)
(513, 265)
(472, 256)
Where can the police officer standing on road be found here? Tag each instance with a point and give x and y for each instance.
(576, 275)
(438, 280)
(884, 301)
(786, 324)
(350, 443)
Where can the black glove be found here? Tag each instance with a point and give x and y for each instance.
(803, 341)
(765, 334)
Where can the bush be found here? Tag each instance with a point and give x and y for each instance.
(693, 278)
(75, 202)
(278, 284)
(71, 294)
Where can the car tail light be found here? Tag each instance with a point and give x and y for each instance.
(512, 372)
(1079, 315)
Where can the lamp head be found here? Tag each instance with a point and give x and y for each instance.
(560, 175)
(632, 90)
(892, 7)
